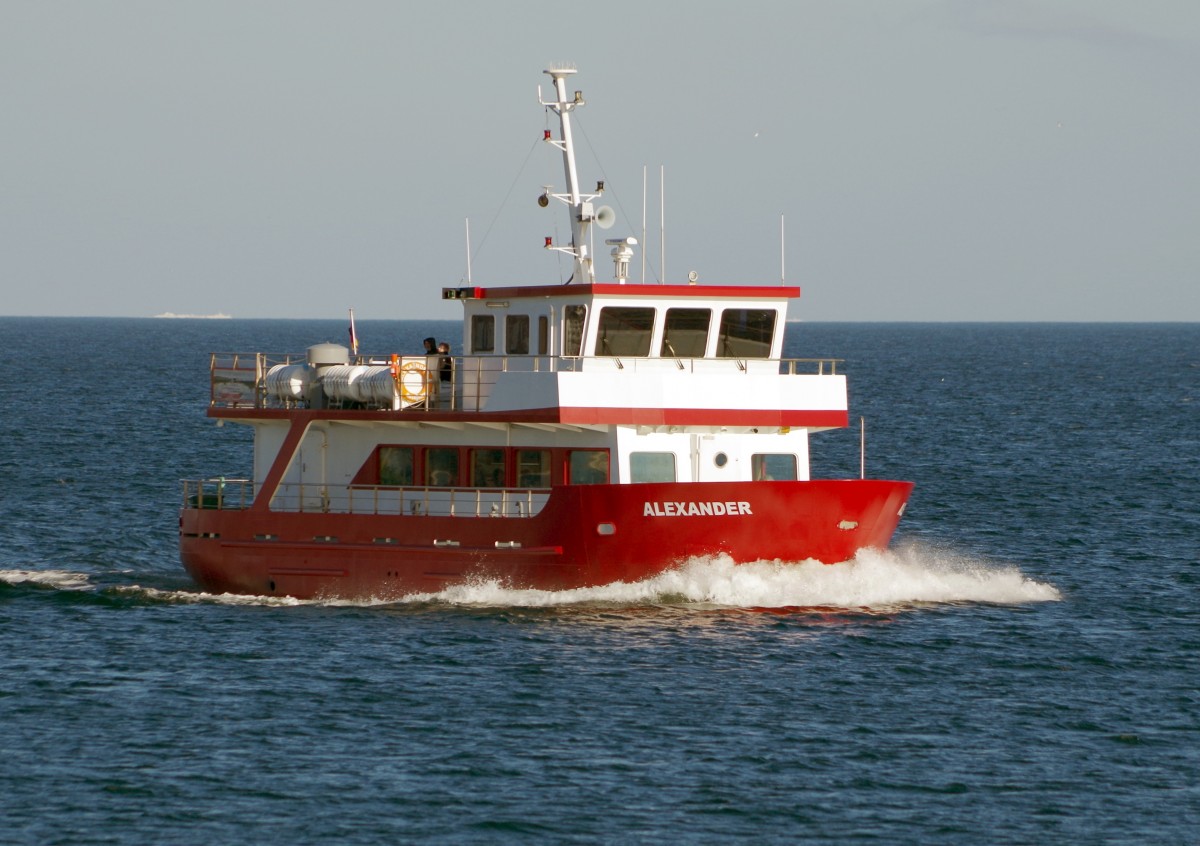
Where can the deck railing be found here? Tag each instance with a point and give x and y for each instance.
(238, 380)
(219, 493)
(415, 501)
(425, 501)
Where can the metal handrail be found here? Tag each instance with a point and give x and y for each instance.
(219, 493)
(238, 380)
(408, 500)
(417, 500)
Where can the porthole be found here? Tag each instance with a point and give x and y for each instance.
(720, 459)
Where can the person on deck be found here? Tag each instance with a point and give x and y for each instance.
(445, 363)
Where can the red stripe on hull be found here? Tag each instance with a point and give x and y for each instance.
(585, 536)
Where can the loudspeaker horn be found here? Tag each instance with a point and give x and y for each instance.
(605, 217)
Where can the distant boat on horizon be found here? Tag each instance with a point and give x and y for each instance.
(173, 315)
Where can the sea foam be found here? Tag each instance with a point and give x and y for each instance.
(61, 579)
(909, 576)
(874, 579)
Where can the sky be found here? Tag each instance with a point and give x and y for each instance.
(899, 160)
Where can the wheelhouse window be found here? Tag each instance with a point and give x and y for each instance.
(588, 467)
(773, 466)
(441, 467)
(625, 330)
(487, 468)
(483, 333)
(573, 322)
(652, 467)
(746, 333)
(533, 468)
(395, 466)
(516, 334)
(543, 334)
(685, 334)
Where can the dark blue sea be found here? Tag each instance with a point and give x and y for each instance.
(1023, 667)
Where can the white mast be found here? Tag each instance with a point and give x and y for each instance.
(662, 223)
(580, 207)
(643, 280)
(782, 248)
(468, 220)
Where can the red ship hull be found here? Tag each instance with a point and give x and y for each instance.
(586, 535)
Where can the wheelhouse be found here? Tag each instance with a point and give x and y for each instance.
(616, 321)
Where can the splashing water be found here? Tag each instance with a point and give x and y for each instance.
(60, 579)
(873, 579)
(878, 580)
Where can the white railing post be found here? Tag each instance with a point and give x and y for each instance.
(862, 447)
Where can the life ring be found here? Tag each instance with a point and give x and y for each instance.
(405, 377)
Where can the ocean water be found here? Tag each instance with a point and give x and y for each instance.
(1023, 666)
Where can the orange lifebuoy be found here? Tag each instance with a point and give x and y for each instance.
(407, 393)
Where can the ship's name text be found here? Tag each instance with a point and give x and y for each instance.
(695, 509)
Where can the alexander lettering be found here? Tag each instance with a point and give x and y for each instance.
(728, 508)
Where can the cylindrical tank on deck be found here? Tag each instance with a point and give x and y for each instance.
(359, 383)
(378, 386)
(289, 381)
(340, 382)
(323, 355)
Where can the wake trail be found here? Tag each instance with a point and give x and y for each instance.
(910, 576)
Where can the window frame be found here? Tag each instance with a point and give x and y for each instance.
(545, 475)
(621, 322)
(573, 471)
(726, 340)
(483, 333)
(574, 320)
(663, 350)
(386, 478)
(429, 469)
(480, 462)
(516, 334)
(649, 473)
(759, 467)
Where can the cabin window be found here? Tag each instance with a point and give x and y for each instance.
(516, 334)
(395, 466)
(441, 467)
(573, 320)
(487, 468)
(543, 338)
(746, 333)
(652, 467)
(483, 333)
(533, 468)
(588, 467)
(773, 466)
(625, 330)
(685, 334)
